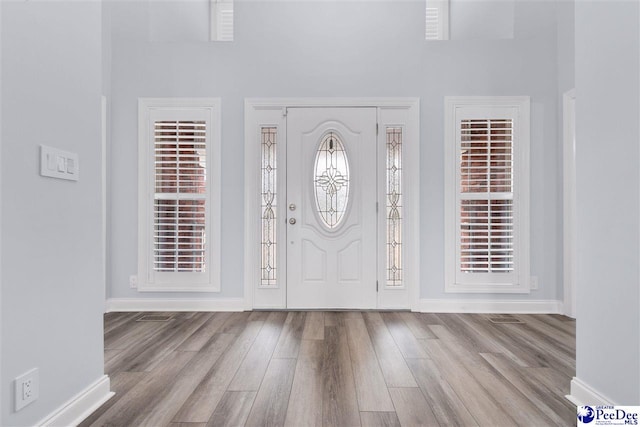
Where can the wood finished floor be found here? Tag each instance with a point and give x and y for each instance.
(337, 369)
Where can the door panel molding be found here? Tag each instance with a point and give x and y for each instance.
(391, 112)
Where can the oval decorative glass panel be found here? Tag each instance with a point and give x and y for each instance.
(331, 180)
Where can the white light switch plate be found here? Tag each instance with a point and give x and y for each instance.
(55, 163)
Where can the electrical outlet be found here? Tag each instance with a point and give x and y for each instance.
(534, 283)
(26, 389)
(133, 281)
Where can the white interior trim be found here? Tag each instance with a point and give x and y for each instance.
(81, 405)
(270, 111)
(422, 305)
(583, 394)
(490, 306)
(569, 202)
(103, 189)
(183, 304)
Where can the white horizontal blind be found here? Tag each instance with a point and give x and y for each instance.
(181, 196)
(222, 20)
(437, 20)
(486, 234)
(432, 24)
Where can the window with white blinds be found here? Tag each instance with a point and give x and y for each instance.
(487, 188)
(179, 183)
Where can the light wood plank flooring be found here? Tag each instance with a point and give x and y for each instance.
(337, 369)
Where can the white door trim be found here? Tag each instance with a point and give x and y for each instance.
(569, 202)
(271, 112)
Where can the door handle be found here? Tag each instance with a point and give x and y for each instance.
(292, 221)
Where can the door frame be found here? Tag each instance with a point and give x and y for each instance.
(260, 112)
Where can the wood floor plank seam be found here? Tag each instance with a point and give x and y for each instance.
(445, 402)
(211, 389)
(306, 398)
(404, 339)
(340, 404)
(392, 364)
(371, 388)
(253, 367)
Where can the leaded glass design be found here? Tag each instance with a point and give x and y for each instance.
(486, 196)
(269, 206)
(394, 207)
(331, 180)
(180, 208)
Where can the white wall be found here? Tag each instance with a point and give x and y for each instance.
(52, 291)
(330, 49)
(607, 133)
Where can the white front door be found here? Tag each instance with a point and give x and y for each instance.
(331, 208)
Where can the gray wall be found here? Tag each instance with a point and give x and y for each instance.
(324, 49)
(607, 134)
(566, 46)
(52, 289)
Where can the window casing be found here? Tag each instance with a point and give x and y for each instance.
(487, 194)
(178, 198)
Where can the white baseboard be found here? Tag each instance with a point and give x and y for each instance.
(424, 305)
(490, 306)
(80, 406)
(583, 394)
(162, 304)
